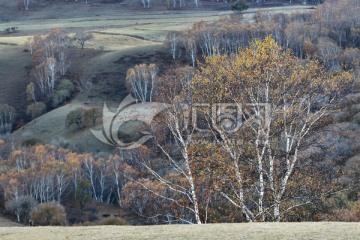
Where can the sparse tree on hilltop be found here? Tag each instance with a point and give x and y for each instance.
(82, 37)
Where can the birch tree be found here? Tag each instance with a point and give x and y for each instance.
(141, 81)
(182, 165)
(173, 39)
(7, 118)
(63, 46)
(146, 3)
(51, 69)
(90, 168)
(189, 41)
(115, 170)
(281, 99)
(173, 139)
(56, 44)
(26, 4)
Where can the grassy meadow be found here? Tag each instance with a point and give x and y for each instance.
(273, 231)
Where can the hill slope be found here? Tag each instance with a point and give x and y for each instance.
(13, 76)
(4, 222)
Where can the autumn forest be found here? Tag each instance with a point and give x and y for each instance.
(259, 122)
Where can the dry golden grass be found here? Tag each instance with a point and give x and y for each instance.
(273, 231)
(18, 40)
(110, 42)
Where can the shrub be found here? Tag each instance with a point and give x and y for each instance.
(21, 206)
(74, 215)
(354, 211)
(240, 5)
(92, 217)
(92, 214)
(66, 84)
(60, 97)
(75, 117)
(49, 214)
(63, 92)
(11, 29)
(35, 110)
(30, 142)
(60, 142)
(114, 221)
(91, 116)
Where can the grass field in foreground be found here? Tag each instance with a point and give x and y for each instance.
(273, 231)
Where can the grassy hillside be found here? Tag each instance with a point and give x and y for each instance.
(108, 71)
(272, 231)
(13, 75)
(122, 38)
(4, 222)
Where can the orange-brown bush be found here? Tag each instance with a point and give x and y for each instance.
(49, 214)
(114, 221)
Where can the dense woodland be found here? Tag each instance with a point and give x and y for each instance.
(304, 68)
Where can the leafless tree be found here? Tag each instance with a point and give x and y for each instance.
(82, 37)
(7, 118)
(173, 39)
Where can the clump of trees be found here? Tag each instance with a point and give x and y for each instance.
(287, 98)
(254, 173)
(237, 4)
(83, 118)
(141, 81)
(51, 57)
(50, 54)
(325, 33)
(21, 206)
(11, 29)
(47, 173)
